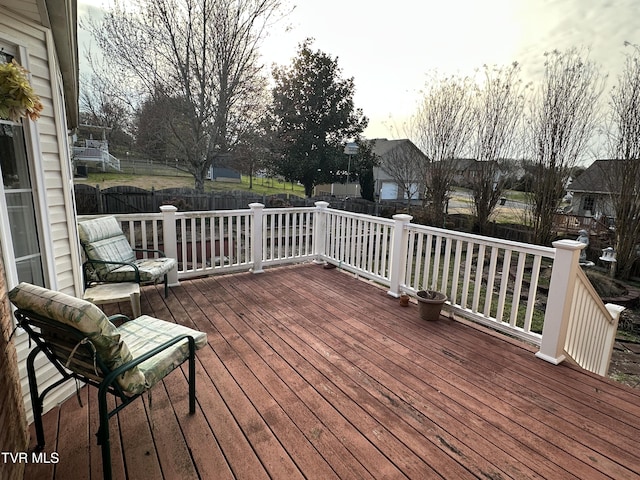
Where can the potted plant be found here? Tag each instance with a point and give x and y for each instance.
(430, 304)
(17, 98)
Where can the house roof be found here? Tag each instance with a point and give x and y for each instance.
(593, 179)
(382, 146)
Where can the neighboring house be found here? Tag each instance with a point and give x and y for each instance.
(395, 172)
(466, 171)
(38, 237)
(591, 191)
(223, 174)
(95, 154)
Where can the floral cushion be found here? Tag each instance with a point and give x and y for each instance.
(115, 346)
(146, 333)
(87, 318)
(102, 239)
(150, 269)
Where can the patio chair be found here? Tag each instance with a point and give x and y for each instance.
(110, 258)
(82, 343)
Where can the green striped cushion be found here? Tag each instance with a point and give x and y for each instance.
(87, 318)
(146, 333)
(102, 239)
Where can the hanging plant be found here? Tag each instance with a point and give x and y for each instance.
(17, 98)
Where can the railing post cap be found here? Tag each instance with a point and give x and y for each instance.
(567, 244)
(256, 206)
(168, 208)
(321, 204)
(614, 310)
(403, 217)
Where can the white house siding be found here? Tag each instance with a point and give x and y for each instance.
(25, 9)
(51, 177)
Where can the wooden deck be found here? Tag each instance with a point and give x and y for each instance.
(311, 373)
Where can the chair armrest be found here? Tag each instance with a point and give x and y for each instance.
(111, 377)
(159, 252)
(107, 262)
(119, 317)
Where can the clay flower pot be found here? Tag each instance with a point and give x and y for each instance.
(430, 304)
(404, 300)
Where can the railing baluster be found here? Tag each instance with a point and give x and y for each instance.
(436, 264)
(446, 265)
(426, 273)
(143, 235)
(466, 278)
(477, 289)
(418, 257)
(491, 277)
(456, 273)
(517, 289)
(504, 284)
(411, 255)
(533, 289)
(194, 243)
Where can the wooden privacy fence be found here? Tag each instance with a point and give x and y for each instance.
(126, 199)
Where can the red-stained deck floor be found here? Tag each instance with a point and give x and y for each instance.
(311, 373)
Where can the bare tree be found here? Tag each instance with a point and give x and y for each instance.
(101, 109)
(201, 54)
(497, 117)
(564, 114)
(403, 165)
(441, 129)
(623, 177)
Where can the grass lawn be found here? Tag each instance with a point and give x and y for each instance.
(262, 186)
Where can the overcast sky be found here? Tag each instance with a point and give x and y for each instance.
(389, 47)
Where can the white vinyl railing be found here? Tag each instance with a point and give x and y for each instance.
(287, 235)
(592, 328)
(359, 243)
(491, 281)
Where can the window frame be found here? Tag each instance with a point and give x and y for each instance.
(37, 186)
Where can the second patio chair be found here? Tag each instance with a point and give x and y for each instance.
(110, 258)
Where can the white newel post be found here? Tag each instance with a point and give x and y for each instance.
(561, 291)
(257, 210)
(320, 231)
(398, 261)
(614, 311)
(170, 240)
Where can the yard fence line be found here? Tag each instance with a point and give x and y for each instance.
(126, 199)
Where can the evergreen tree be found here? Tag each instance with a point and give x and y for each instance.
(313, 115)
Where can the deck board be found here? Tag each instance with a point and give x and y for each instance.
(311, 373)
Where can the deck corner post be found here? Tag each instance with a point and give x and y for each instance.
(320, 232)
(257, 211)
(561, 291)
(170, 240)
(398, 261)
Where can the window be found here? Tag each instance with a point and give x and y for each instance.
(588, 203)
(18, 196)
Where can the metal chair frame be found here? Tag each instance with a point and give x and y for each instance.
(58, 342)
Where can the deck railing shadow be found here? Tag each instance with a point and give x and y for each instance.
(537, 294)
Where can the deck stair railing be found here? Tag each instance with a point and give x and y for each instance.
(502, 284)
